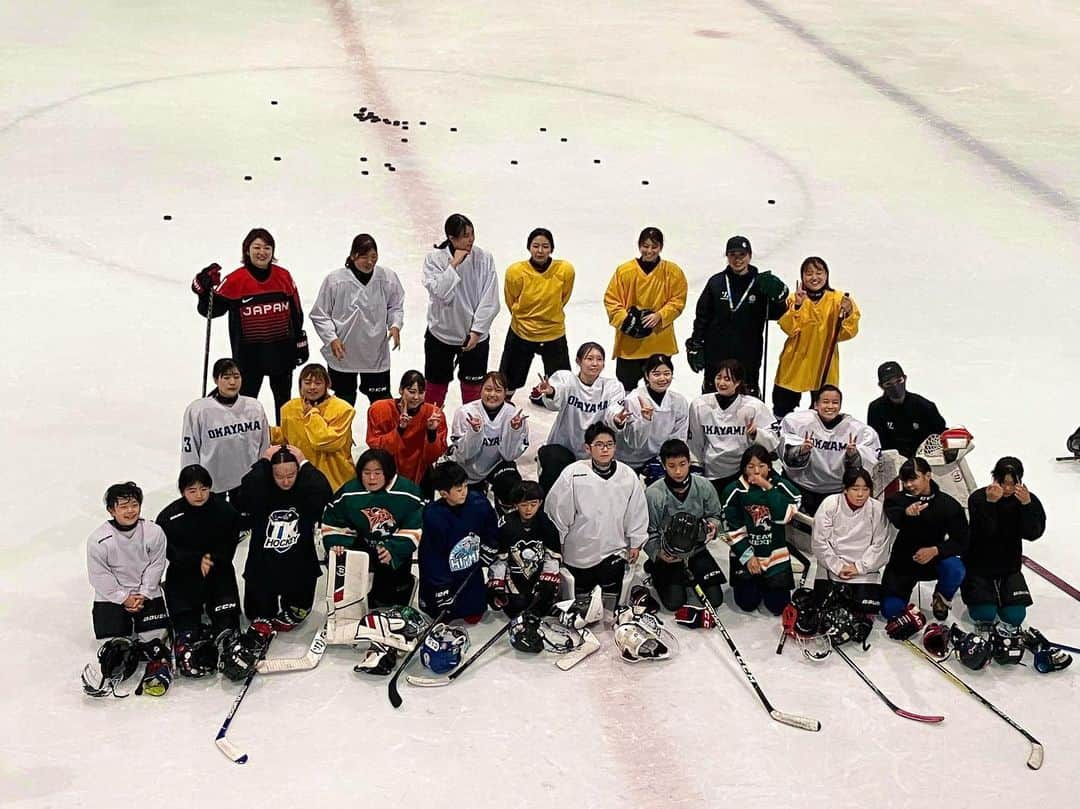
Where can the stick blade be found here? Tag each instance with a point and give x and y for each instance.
(1035, 760)
(800, 722)
(231, 751)
(918, 717)
(393, 694)
(427, 682)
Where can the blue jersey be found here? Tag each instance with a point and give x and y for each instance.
(450, 552)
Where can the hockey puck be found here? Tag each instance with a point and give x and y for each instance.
(273, 103)
(644, 182)
(247, 176)
(363, 159)
(386, 120)
(364, 172)
(772, 201)
(543, 129)
(386, 165)
(404, 128)
(167, 218)
(423, 123)
(404, 140)
(397, 123)
(513, 162)
(596, 160)
(453, 129)
(393, 169)
(277, 158)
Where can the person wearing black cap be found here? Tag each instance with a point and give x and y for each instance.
(901, 419)
(731, 315)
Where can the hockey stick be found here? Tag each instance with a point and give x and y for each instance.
(206, 348)
(801, 722)
(917, 717)
(392, 689)
(433, 682)
(765, 352)
(1057, 581)
(223, 744)
(802, 583)
(832, 348)
(1035, 758)
(306, 663)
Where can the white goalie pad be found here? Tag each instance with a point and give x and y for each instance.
(347, 585)
(946, 454)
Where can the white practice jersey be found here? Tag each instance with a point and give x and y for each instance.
(460, 299)
(823, 471)
(359, 315)
(120, 565)
(843, 535)
(640, 438)
(480, 451)
(597, 518)
(226, 439)
(578, 406)
(718, 436)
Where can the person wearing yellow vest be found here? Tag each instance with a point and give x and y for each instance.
(817, 319)
(536, 293)
(643, 298)
(320, 425)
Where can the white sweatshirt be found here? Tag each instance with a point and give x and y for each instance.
(718, 436)
(119, 566)
(843, 535)
(639, 439)
(578, 406)
(359, 315)
(823, 471)
(480, 451)
(460, 299)
(226, 439)
(597, 518)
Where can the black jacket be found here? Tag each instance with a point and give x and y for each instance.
(997, 530)
(194, 531)
(941, 525)
(728, 334)
(904, 426)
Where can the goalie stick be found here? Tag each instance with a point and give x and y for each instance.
(1035, 757)
(235, 754)
(1057, 581)
(318, 643)
(917, 717)
(795, 721)
(392, 688)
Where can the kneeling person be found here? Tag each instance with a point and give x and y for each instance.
(525, 572)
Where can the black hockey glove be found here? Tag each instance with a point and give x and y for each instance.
(695, 355)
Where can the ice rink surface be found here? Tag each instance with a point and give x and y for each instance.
(929, 152)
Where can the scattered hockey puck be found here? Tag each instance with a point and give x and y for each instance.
(364, 172)
(386, 165)
(404, 123)
(644, 182)
(393, 169)
(543, 129)
(563, 140)
(513, 162)
(167, 218)
(596, 160)
(404, 140)
(247, 176)
(453, 129)
(386, 120)
(363, 159)
(274, 103)
(423, 123)
(404, 128)
(277, 158)
(772, 201)
(397, 123)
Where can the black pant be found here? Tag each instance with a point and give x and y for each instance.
(608, 573)
(266, 602)
(280, 385)
(629, 372)
(440, 358)
(113, 621)
(216, 593)
(784, 400)
(501, 481)
(672, 583)
(374, 386)
(518, 355)
(390, 587)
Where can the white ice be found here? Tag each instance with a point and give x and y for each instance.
(929, 151)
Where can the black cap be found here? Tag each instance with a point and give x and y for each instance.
(738, 244)
(889, 370)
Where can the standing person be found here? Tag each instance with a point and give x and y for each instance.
(648, 417)
(536, 293)
(463, 293)
(225, 432)
(412, 430)
(487, 437)
(320, 424)
(579, 400)
(817, 319)
(757, 506)
(525, 571)
(820, 445)
(851, 544)
(456, 526)
(1003, 514)
(725, 423)
(932, 536)
(266, 321)
(286, 496)
(201, 532)
(681, 490)
(731, 316)
(598, 505)
(378, 513)
(358, 315)
(125, 559)
(643, 299)
(902, 420)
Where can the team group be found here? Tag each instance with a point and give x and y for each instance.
(624, 456)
